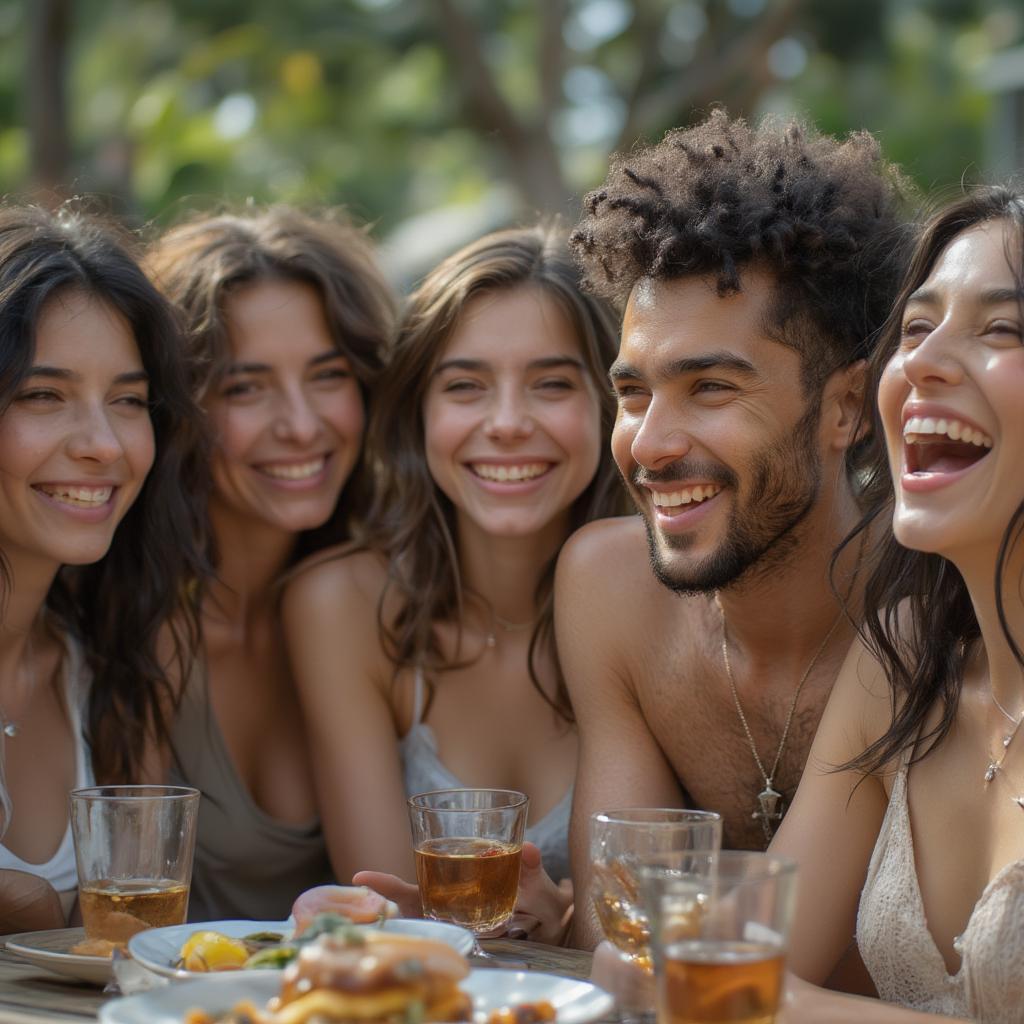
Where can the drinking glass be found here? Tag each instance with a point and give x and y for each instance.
(719, 938)
(133, 850)
(624, 841)
(468, 845)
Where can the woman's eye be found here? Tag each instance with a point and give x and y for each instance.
(915, 329)
(238, 388)
(462, 385)
(134, 401)
(1006, 328)
(333, 373)
(39, 395)
(556, 384)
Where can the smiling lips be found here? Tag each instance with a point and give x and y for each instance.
(294, 470)
(942, 445)
(76, 496)
(684, 496)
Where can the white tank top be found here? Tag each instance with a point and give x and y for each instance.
(60, 869)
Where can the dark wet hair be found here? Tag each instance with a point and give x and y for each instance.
(199, 263)
(821, 216)
(412, 521)
(117, 606)
(919, 621)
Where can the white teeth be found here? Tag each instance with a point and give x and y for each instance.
(685, 497)
(921, 426)
(527, 471)
(294, 470)
(80, 497)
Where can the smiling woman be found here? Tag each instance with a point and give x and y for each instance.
(286, 320)
(97, 497)
(426, 659)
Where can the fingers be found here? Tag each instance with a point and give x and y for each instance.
(531, 856)
(391, 887)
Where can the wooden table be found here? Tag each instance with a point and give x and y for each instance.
(32, 995)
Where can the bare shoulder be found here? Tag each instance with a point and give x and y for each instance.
(340, 580)
(605, 559)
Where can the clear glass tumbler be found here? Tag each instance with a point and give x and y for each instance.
(133, 849)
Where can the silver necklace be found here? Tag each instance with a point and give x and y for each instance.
(8, 726)
(995, 765)
(509, 627)
(771, 805)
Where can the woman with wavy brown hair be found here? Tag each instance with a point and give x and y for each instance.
(426, 659)
(286, 319)
(100, 446)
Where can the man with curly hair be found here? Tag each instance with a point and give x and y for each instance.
(754, 265)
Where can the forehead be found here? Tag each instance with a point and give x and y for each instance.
(512, 325)
(684, 317)
(79, 331)
(976, 259)
(273, 320)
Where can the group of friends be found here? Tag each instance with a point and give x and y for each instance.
(267, 534)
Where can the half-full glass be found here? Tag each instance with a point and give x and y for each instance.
(468, 845)
(133, 849)
(624, 841)
(719, 938)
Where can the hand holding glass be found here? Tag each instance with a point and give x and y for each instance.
(133, 849)
(469, 846)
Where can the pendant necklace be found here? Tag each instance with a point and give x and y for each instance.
(8, 726)
(509, 627)
(995, 765)
(770, 802)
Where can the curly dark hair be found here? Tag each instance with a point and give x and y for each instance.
(117, 606)
(822, 216)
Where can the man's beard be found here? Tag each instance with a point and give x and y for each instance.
(760, 535)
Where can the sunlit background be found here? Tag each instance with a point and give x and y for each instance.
(438, 119)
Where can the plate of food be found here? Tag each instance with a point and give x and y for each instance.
(195, 950)
(368, 976)
(56, 950)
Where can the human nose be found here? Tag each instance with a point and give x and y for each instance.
(94, 436)
(508, 416)
(934, 361)
(296, 421)
(660, 438)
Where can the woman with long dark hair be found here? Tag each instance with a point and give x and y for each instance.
(99, 442)
(425, 659)
(286, 319)
(916, 842)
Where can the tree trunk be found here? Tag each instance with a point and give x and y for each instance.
(46, 90)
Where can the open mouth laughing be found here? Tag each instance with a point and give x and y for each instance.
(938, 446)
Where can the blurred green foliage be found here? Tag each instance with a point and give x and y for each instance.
(367, 103)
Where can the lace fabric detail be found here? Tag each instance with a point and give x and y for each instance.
(899, 952)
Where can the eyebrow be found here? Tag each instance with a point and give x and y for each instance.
(234, 369)
(989, 297)
(680, 367)
(59, 373)
(480, 366)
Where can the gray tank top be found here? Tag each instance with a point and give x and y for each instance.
(424, 771)
(248, 865)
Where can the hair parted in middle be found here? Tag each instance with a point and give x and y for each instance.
(200, 262)
(411, 521)
(823, 217)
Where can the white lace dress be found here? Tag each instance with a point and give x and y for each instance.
(899, 952)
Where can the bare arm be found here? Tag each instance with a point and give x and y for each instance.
(832, 826)
(807, 1004)
(620, 762)
(342, 677)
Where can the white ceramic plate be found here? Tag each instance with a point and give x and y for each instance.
(158, 949)
(50, 950)
(576, 1002)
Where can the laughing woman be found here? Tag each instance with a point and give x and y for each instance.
(286, 320)
(917, 841)
(426, 659)
(96, 533)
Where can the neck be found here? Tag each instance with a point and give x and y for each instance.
(1005, 672)
(29, 583)
(251, 557)
(505, 571)
(783, 614)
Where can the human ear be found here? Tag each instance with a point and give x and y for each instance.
(843, 414)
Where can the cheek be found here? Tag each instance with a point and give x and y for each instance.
(892, 392)
(345, 414)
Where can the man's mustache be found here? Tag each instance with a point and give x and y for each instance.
(684, 469)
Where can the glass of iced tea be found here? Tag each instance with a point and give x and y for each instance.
(133, 848)
(468, 845)
(622, 843)
(719, 939)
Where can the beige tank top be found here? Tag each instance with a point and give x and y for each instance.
(899, 952)
(248, 865)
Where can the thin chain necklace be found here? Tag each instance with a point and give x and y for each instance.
(995, 765)
(770, 802)
(8, 726)
(509, 627)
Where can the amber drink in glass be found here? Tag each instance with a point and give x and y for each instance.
(468, 845)
(133, 848)
(728, 965)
